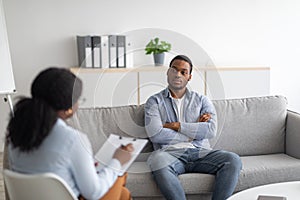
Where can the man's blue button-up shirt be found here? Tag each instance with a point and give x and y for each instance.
(161, 108)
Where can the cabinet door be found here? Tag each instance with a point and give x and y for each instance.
(109, 89)
(197, 82)
(152, 82)
(238, 83)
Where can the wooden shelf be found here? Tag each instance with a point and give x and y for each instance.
(77, 70)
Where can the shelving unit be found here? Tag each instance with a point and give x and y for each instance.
(123, 86)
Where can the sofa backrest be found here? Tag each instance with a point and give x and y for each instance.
(249, 126)
(99, 123)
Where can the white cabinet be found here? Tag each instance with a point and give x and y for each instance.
(151, 82)
(108, 88)
(117, 87)
(227, 83)
(197, 83)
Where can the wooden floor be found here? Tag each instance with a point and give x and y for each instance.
(2, 196)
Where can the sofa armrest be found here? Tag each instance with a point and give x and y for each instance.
(292, 141)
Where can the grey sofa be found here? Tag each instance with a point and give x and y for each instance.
(261, 130)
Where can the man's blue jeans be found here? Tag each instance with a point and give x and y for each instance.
(167, 165)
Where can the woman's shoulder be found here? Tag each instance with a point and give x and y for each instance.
(69, 134)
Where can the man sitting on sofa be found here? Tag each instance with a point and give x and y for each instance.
(179, 123)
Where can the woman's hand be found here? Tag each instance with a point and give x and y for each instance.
(123, 153)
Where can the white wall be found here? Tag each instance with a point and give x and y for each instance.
(233, 32)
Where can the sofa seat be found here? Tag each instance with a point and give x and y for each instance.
(140, 180)
(266, 169)
(257, 170)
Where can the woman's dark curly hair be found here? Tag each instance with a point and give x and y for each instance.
(52, 90)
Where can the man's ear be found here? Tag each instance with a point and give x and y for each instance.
(168, 71)
(190, 77)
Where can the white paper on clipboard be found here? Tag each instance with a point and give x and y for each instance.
(105, 153)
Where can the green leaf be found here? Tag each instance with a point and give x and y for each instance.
(155, 46)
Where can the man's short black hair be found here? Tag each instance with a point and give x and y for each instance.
(184, 58)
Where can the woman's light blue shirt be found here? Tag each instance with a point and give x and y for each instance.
(67, 153)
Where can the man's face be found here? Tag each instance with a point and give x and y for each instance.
(178, 75)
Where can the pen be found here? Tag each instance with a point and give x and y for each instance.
(96, 165)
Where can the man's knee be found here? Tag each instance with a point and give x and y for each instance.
(159, 160)
(234, 160)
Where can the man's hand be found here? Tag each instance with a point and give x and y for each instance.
(204, 118)
(172, 125)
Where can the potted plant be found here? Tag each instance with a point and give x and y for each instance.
(158, 48)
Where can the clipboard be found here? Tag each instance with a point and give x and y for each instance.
(105, 153)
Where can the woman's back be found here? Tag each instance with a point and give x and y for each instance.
(40, 141)
(56, 154)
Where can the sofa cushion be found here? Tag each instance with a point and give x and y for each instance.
(140, 180)
(99, 123)
(266, 169)
(251, 126)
